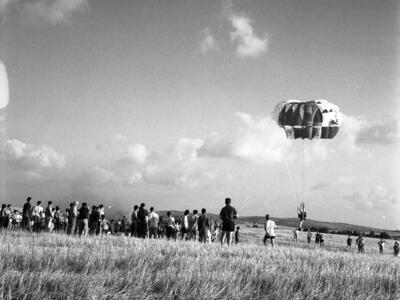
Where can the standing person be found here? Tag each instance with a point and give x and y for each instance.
(227, 215)
(193, 226)
(3, 217)
(204, 225)
(153, 223)
(8, 220)
(49, 216)
(237, 235)
(104, 225)
(185, 225)
(38, 215)
(269, 227)
(101, 210)
(84, 219)
(142, 221)
(170, 226)
(309, 236)
(360, 244)
(349, 241)
(134, 221)
(396, 248)
(94, 219)
(57, 219)
(26, 214)
(296, 234)
(381, 245)
(72, 214)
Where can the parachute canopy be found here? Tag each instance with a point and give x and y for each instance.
(308, 119)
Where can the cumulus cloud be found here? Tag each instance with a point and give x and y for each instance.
(52, 11)
(137, 153)
(375, 197)
(260, 141)
(187, 149)
(208, 42)
(32, 157)
(243, 36)
(382, 133)
(215, 146)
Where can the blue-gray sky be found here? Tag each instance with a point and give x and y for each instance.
(169, 102)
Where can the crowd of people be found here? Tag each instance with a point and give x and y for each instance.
(195, 226)
(83, 221)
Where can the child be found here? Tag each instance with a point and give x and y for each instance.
(237, 235)
(104, 225)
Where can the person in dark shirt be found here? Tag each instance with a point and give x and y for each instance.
(227, 215)
(349, 242)
(84, 219)
(237, 235)
(142, 221)
(26, 214)
(94, 220)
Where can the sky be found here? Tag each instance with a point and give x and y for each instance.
(169, 103)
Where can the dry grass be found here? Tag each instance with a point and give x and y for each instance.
(51, 266)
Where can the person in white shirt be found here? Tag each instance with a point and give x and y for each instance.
(38, 215)
(153, 223)
(269, 227)
(185, 225)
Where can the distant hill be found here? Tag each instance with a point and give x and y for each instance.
(330, 226)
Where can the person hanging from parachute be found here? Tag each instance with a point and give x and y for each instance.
(301, 214)
(315, 119)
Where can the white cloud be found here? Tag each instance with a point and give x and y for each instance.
(260, 141)
(376, 197)
(52, 11)
(187, 149)
(137, 153)
(208, 42)
(382, 133)
(100, 176)
(247, 42)
(33, 157)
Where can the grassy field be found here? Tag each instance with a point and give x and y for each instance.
(53, 266)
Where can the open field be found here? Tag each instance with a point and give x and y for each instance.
(50, 266)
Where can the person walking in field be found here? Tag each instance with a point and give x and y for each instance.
(269, 227)
(193, 226)
(309, 236)
(134, 221)
(153, 223)
(227, 215)
(204, 225)
(3, 217)
(396, 248)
